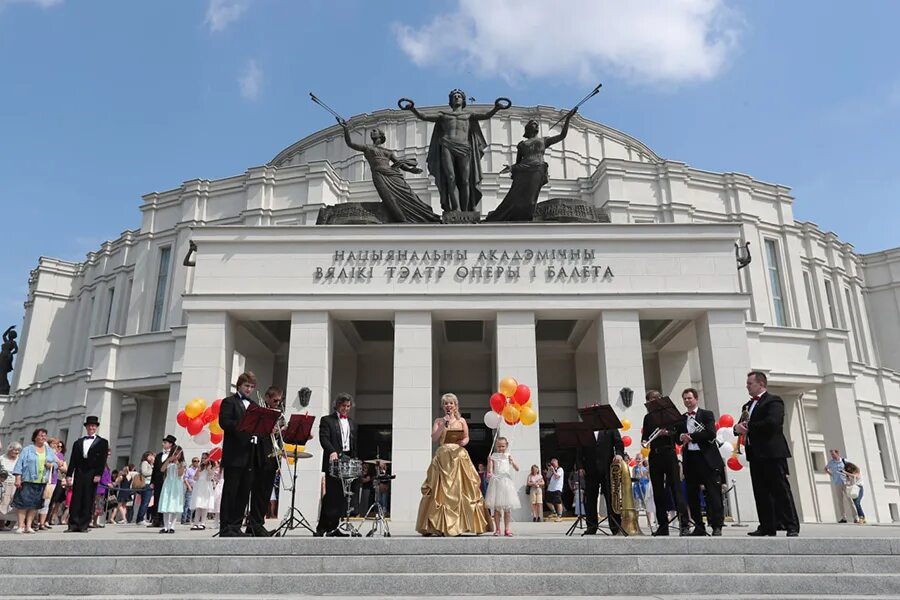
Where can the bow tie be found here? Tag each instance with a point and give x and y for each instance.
(691, 413)
(343, 416)
(89, 437)
(755, 399)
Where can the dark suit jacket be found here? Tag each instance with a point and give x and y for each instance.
(662, 443)
(157, 477)
(94, 463)
(598, 457)
(237, 450)
(706, 439)
(330, 438)
(766, 429)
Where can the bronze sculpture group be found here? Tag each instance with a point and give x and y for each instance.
(454, 161)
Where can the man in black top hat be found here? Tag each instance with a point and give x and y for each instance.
(157, 478)
(85, 468)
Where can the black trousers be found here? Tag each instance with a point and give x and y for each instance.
(260, 495)
(152, 513)
(664, 475)
(595, 484)
(696, 473)
(334, 505)
(235, 495)
(81, 509)
(772, 494)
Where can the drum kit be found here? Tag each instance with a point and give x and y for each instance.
(347, 470)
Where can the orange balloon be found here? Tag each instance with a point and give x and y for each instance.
(508, 386)
(194, 408)
(626, 425)
(527, 415)
(511, 414)
(645, 452)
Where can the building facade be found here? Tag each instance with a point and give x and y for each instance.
(399, 314)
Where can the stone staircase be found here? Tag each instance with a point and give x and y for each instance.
(147, 567)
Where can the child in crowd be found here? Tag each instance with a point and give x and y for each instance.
(501, 495)
(171, 498)
(203, 499)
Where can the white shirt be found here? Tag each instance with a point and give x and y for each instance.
(345, 433)
(86, 444)
(556, 482)
(691, 428)
(165, 455)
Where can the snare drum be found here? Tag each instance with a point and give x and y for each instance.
(345, 468)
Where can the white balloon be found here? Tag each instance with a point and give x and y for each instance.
(202, 438)
(725, 450)
(725, 434)
(492, 419)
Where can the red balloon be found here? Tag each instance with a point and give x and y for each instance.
(677, 449)
(717, 425)
(522, 394)
(498, 403)
(626, 440)
(216, 453)
(726, 421)
(182, 419)
(208, 416)
(734, 464)
(633, 463)
(216, 438)
(215, 407)
(195, 425)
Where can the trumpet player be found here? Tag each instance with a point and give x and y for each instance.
(664, 474)
(702, 463)
(264, 481)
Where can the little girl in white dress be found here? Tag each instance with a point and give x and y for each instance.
(501, 495)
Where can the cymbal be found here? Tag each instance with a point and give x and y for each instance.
(298, 455)
(375, 461)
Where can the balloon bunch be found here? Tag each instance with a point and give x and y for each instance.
(726, 438)
(510, 405)
(202, 421)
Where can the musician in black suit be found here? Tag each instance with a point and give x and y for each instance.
(767, 452)
(665, 476)
(241, 457)
(702, 463)
(264, 480)
(85, 468)
(157, 477)
(598, 459)
(338, 438)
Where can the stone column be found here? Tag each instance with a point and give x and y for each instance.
(724, 362)
(516, 351)
(309, 365)
(412, 411)
(205, 371)
(674, 373)
(622, 366)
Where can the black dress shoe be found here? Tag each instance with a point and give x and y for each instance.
(699, 532)
(793, 533)
(684, 531)
(258, 531)
(760, 533)
(661, 533)
(319, 534)
(336, 533)
(590, 531)
(717, 532)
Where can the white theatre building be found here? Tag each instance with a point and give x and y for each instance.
(399, 314)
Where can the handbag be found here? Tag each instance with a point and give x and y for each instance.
(48, 489)
(138, 483)
(853, 491)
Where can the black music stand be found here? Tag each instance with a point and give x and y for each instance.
(600, 417)
(575, 435)
(297, 432)
(258, 420)
(663, 412)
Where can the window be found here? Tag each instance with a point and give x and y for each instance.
(162, 282)
(854, 325)
(810, 301)
(884, 452)
(895, 514)
(110, 302)
(775, 283)
(818, 461)
(829, 299)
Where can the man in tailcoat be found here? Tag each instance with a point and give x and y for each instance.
(85, 468)
(338, 437)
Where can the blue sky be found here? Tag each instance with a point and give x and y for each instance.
(103, 101)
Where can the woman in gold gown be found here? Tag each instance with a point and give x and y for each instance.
(452, 503)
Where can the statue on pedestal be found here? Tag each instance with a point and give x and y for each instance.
(7, 351)
(455, 151)
(402, 204)
(529, 174)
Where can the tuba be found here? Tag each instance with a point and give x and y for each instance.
(621, 499)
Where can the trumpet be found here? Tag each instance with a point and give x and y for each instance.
(278, 452)
(656, 433)
(698, 426)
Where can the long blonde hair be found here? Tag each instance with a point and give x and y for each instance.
(455, 400)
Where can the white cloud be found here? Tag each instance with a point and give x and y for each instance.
(221, 13)
(250, 80)
(40, 3)
(642, 40)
